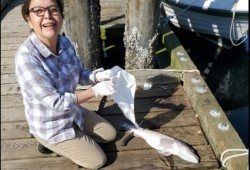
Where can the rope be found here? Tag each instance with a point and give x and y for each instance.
(232, 156)
(232, 27)
(169, 17)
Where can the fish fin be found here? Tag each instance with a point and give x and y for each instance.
(164, 153)
(167, 143)
(127, 139)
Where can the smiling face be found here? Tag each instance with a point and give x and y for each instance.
(46, 26)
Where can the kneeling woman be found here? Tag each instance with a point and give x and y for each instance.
(48, 72)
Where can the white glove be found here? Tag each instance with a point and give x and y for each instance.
(104, 88)
(99, 75)
(103, 75)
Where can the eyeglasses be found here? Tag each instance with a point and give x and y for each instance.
(40, 11)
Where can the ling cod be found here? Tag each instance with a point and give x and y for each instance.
(165, 145)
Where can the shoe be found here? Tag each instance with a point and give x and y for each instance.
(43, 149)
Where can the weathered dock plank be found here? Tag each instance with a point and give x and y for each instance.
(11, 40)
(115, 15)
(172, 90)
(141, 105)
(8, 78)
(135, 159)
(7, 61)
(8, 89)
(38, 163)
(9, 53)
(12, 114)
(13, 19)
(12, 46)
(6, 70)
(154, 120)
(12, 108)
(25, 147)
(15, 34)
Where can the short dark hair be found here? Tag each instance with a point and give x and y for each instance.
(26, 5)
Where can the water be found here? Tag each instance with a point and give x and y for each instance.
(226, 73)
(239, 119)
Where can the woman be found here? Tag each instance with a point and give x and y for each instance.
(48, 71)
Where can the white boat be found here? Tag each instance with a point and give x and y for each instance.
(216, 20)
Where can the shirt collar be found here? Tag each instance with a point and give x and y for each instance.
(43, 50)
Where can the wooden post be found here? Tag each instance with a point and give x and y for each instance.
(82, 18)
(140, 35)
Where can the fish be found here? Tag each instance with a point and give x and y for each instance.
(165, 145)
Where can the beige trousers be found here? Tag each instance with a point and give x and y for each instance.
(84, 150)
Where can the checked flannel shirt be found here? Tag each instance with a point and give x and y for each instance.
(48, 84)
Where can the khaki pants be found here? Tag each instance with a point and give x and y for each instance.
(84, 150)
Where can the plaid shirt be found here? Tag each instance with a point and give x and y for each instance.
(48, 84)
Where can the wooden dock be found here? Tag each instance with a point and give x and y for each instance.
(172, 107)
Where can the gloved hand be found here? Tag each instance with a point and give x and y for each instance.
(103, 75)
(99, 75)
(104, 88)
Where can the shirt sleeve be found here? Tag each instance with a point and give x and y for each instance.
(38, 87)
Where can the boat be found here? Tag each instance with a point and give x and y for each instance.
(224, 22)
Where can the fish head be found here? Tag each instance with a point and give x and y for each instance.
(186, 153)
(179, 149)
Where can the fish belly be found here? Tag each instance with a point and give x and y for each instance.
(151, 137)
